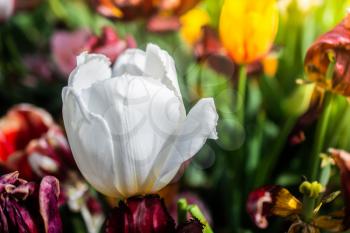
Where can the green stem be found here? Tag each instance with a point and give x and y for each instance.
(325, 175)
(320, 137)
(239, 161)
(197, 213)
(182, 210)
(265, 169)
(242, 87)
(308, 208)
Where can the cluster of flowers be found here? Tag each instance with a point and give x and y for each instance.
(128, 130)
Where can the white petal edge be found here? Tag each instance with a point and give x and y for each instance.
(132, 62)
(160, 65)
(90, 69)
(91, 143)
(200, 124)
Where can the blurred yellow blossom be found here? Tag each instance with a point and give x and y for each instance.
(247, 28)
(270, 64)
(192, 23)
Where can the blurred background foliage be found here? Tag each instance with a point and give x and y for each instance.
(272, 108)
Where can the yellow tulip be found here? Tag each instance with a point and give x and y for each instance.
(248, 28)
(192, 23)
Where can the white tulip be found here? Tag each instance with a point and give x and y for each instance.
(128, 128)
(7, 8)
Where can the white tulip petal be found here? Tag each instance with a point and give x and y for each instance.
(160, 65)
(7, 7)
(200, 124)
(132, 62)
(91, 143)
(91, 68)
(130, 134)
(142, 116)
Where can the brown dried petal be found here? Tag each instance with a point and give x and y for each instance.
(336, 41)
(342, 159)
(271, 200)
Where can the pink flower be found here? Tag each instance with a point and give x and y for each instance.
(67, 45)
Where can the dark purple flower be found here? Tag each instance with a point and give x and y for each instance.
(140, 214)
(26, 208)
(146, 214)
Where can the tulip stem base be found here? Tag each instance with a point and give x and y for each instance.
(308, 208)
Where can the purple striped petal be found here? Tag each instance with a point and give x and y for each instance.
(48, 200)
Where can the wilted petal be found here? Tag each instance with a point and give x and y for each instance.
(336, 41)
(332, 223)
(342, 159)
(50, 154)
(48, 201)
(140, 215)
(22, 210)
(271, 200)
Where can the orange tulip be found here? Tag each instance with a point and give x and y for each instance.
(248, 28)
